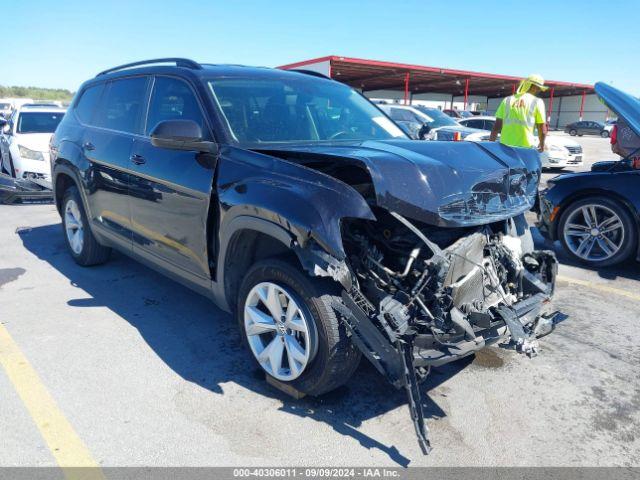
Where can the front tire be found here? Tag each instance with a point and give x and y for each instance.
(82, 245)
(598, 231)
(604, 134)
(573, 133)
(288, 322)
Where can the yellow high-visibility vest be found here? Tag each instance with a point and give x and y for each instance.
(519, 114)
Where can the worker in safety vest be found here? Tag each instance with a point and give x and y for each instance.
(518, 114)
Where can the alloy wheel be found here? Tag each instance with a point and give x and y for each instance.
(74, 226)
(279, 332)
(594, 232)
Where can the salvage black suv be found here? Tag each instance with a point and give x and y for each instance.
(291, 200)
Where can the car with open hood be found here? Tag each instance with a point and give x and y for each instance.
(595, 214)
(294, 202)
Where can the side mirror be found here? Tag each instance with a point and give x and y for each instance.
(181, 135)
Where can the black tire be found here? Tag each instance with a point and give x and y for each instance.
(604, 134)
(92, 253)
(628, 224)
(573, 132)
(336, 358)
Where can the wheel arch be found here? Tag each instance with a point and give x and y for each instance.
(246, 240)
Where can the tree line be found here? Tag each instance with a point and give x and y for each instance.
(36, 93)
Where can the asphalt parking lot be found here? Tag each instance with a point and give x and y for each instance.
(136, 370)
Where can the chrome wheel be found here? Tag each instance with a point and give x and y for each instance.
(594, 232)
(73, 226)
(280, 334)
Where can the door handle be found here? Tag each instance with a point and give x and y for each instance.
(137, 159)
(88, 146)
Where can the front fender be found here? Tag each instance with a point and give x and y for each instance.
(307, 203)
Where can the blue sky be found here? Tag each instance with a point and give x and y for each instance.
(61, 43)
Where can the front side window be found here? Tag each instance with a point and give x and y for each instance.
(298, 108)
(123, 105)
(172, 99)
(38, 122)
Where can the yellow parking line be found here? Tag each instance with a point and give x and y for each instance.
(64, 443)
(598, 286)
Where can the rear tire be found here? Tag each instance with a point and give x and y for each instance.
(333, 358)
(82, 245)
(604, 134)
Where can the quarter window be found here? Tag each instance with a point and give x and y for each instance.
(86, 107)
(123, 106)
(172, 99)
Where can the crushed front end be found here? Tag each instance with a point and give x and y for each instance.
(424, 296)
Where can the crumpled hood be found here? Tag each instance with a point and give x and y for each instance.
(443, 183)
(623, 104)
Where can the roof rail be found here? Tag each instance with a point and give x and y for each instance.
(180, 62)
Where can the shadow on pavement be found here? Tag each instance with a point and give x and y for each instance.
(202, 344)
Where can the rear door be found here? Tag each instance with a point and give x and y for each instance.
(170, 190)
(106, 145)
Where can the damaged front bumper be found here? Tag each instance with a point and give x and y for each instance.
(16, 191)
(483, 289)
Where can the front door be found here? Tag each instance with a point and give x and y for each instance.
(170, 190)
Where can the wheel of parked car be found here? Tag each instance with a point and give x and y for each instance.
(573, 132)
(288, 322)
(604, 134)
(83, 246)
(598, 230)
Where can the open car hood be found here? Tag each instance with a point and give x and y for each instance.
(623, 104)
(449, 184)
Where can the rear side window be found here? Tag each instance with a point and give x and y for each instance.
(123, 105)
(88, 103)
(172, 99)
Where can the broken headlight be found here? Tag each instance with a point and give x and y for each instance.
(493, 199)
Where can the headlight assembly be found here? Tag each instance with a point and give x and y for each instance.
(29, 154)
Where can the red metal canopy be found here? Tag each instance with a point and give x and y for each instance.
(413, 79)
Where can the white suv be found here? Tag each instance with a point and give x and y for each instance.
(24, 143)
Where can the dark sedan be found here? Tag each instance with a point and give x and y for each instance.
(596, 214)
(586, 128)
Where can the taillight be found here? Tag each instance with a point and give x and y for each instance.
(457, 136)
(635, 163)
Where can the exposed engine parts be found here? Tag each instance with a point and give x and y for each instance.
(424, 296)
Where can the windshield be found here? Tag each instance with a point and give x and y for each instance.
(38, 122)
(440, 119)
(298, 109)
